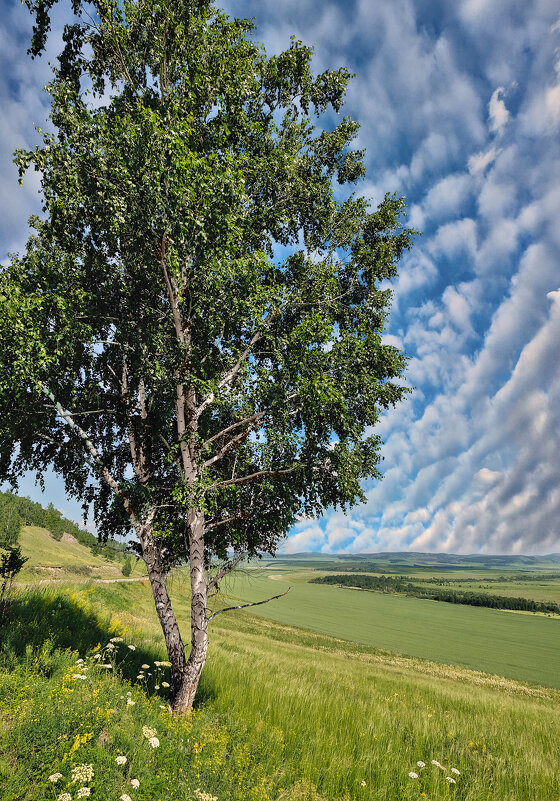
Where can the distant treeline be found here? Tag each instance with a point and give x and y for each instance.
(371, 567)
(392, 584)
(16, 512)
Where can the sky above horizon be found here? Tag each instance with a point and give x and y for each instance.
(459, 107)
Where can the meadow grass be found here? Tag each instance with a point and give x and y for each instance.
(283, 713)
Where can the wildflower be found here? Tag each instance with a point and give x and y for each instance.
(116, 639)
(132, 647)
(205, 796)
(84, 792)
(421, 764)
(78, 676)
(162, 706)
(109, 667)
(165, 684)
(455, 771)
(450, 780)
(97, 656)
(64, 797)
(154, 742)
(125, 797)
(147, 732)
(363, 783)
(55, 777)
(121, 760)
(135, 783)
(156, 687)
(413, 775)
(82, 773)
(165, 664)
(130, 702)
(129, 693)
(79, 661)
(436, 763)
(145, 667)
(140, 676)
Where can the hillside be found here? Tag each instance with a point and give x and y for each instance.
(65, 559)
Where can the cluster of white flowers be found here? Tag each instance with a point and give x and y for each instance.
(82, 773)
(450, 779)
(154, 742)
(205, 796)
(147, 732)
(116, 639)
(78, 676)
(64, 797)
(84, 792)
(55, 777)
(121, 760)
(135, 783)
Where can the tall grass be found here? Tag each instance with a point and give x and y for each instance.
(283, 714)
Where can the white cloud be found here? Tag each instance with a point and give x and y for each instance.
(497, 112)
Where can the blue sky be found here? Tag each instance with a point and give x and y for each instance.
(459, 106)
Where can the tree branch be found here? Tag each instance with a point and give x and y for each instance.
(224, 570)
(254, 477)
(99, 466)
(244, 606)
(246, 420)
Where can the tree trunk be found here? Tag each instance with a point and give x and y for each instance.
(186, 691)
(167, 619)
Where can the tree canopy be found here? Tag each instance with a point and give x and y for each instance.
(193, 336)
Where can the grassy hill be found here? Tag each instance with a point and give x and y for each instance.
(65, 559)
(284, 713)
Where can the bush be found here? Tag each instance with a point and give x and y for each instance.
(126, 569)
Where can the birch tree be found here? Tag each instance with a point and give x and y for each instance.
(192, 338)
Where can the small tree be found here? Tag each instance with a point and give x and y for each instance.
(11, 562)
(194, 332)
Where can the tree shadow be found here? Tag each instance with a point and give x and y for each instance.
(38, 617)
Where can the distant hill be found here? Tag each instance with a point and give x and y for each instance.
(387, 561)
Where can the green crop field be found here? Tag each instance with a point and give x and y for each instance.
(519, 646)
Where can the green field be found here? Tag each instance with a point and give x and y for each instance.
(519, 646)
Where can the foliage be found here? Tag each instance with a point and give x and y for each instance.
(126, 569)
(11, 562)
(10, 520)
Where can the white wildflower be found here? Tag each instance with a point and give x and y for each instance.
(64, 797)
(110, 646)
(147, 732)
(116, 639)
(84, 792)
(421, 764)
(54, 777)
(450, 780)
(78, 676)
(165, 664)
(205, 796)
(363, 783)
(145, 667)
(82, 773)
(135, 783)
(130, 702)
(129, 693)
(455, 771)
(97, 656)
(140, 676)
(132, 647)
(156, 687)
(154, 742)
(125, 797)
(413, 775)
(79, 661)
(436, 763)
(108, 666)
(162, 706)
(121, 760)
(165, 684)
